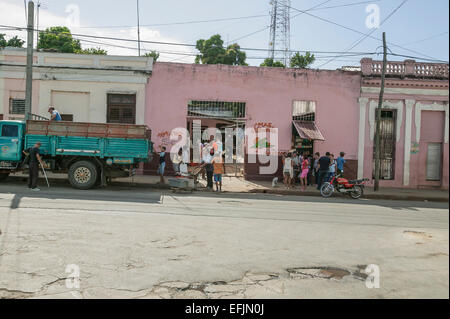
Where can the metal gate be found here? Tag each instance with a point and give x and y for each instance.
(434, 161)
(388, 140)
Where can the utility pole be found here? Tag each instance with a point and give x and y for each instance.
(378, 119)
(29, 69)
(138, 29)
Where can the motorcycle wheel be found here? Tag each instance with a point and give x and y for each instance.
(327, 190)
(357, 192)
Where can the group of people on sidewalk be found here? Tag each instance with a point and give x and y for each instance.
(212, 164)
(310, 170)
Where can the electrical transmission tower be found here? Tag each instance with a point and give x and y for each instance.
(280, 31)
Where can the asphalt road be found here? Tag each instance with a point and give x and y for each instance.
(137, 243)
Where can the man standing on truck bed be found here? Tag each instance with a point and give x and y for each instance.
(54, 114)
(34, 161)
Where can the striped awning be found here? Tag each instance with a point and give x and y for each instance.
(308, 131)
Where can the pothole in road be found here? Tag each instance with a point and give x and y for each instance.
(252, 283)
(417, 235)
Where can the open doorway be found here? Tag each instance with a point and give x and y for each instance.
(219, 116)
(304, 128)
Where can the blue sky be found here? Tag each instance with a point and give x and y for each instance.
(419, 26)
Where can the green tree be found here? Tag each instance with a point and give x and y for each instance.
(212, 51)
(58, 39)
(13, 42)
(153, 54)
(97, 51)
(302, 61)
(269, 62)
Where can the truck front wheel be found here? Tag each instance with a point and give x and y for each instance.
(83, 175)
(3, 176)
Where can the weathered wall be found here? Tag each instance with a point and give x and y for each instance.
(423, 112)
(268, 93)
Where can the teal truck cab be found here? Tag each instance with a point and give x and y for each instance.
(89, 153)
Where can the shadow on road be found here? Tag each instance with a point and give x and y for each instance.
(61, 189)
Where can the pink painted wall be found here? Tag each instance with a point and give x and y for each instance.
(269, 94)
(432, 130)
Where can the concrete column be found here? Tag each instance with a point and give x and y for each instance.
(408, 131)
(366, 66)
(362, 135)
(410, 67)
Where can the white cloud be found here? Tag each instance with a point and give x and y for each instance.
(13, 14)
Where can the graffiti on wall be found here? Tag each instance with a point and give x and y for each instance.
(414, 148)
(264, 125)
(165, 139)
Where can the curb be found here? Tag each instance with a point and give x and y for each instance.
(272, 191)
(366, 196)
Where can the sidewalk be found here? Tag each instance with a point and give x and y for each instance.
(240, 185)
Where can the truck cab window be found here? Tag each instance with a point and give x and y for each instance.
(10, 131)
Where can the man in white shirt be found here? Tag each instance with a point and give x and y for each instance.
(209, 167)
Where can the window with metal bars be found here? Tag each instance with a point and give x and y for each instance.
(216, 109)
(304, 111)
(16, 106)
(67, 117)
(121, 108)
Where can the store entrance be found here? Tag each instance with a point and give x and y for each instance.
(301, 145)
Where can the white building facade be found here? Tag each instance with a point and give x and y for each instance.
(83, 88)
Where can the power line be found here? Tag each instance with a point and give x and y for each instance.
(426, 39)
(224, 19)
(359, 32)
(315, 8)
(195, 54)
(179, 23)
(166, 43)
(267, 27)
(368, 34)
(133, 48)
(417, 58)
(340, 53)
(347, 5)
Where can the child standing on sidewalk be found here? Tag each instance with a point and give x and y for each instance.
(162, 164)
(304, 174)
(219, 170)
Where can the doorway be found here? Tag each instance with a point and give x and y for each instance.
(219, 115)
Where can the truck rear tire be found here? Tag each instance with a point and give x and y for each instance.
(3, 176)
(83, 175)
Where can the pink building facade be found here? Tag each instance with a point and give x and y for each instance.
(270, 97)
(415, 117)
(415, 125)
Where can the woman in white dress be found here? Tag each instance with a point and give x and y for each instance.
(288, 170)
